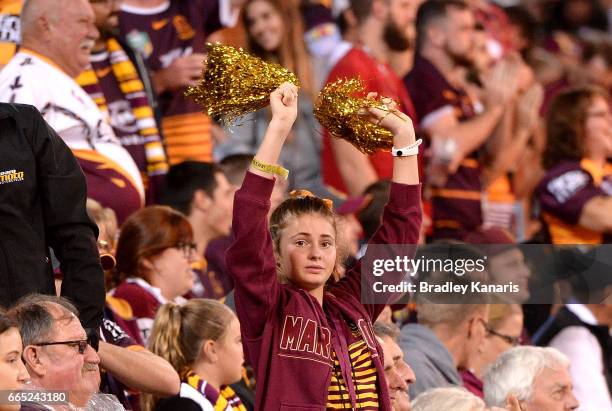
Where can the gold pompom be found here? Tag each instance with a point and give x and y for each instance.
(235, 83)
(337, 109)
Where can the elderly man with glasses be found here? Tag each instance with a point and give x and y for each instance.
(56, 350)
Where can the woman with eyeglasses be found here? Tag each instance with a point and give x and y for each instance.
(576, 193)
(154, 255)
(504, 330)
(13, 373)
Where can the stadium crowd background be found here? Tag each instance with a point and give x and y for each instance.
(511, 98)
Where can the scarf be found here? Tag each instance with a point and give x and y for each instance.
(132, 89)
(226, 400)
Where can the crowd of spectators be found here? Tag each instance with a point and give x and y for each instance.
(209, 300)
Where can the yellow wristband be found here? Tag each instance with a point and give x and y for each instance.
(270, 168)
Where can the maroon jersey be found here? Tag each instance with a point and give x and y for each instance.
(162, 34)
(563, 193)
(144, 300)
(212, 279)
(376, 77)
(457, 205)
(109, 184)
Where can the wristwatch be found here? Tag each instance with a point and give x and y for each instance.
(411, 150)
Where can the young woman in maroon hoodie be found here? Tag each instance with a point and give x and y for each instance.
(311, 344)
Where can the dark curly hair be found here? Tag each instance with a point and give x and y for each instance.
(565, 124)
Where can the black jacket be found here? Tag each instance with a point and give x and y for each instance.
(42, 204)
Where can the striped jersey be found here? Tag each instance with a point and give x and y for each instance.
(363, 375)
(162, 34)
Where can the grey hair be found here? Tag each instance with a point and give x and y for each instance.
(448, 398)
(386, 330)
(450, 314)
(33, 10)
(36, 315)
(515, 371)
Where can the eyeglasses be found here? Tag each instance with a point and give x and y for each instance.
(81, 344)
(513, 341)
(187, 248)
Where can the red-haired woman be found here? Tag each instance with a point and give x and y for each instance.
(154, 255)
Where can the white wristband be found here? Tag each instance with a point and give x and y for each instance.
(411, 150)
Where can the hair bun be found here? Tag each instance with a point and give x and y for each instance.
(307, 194)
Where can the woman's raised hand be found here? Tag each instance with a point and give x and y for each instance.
(391, 118)
(283, 102)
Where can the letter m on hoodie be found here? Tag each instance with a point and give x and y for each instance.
(291, 332)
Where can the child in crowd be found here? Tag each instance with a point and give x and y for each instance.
(201, 339)
(311, 342)
(13, 373)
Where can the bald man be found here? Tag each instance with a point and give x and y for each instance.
(57, 39)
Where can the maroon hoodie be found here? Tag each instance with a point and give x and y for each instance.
(286, 333)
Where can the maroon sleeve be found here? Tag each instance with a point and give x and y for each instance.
(250, 258)
(564, 194)
(426, 92)
(401, 223)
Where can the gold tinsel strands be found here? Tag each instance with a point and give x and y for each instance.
(235, 83)
(337, 110)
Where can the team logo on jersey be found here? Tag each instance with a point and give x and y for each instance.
(183, 28)
(567, 185)
(11, 176)
(140, 40)
(122, 118)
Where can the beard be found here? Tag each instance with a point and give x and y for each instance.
(461, 60)
(395, 38)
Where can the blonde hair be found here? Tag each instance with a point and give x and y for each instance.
(180, 330)
(498, 313)
(104, 217)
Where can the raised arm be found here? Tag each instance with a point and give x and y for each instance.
(250, 259)
(402, 215)
(283, 102)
